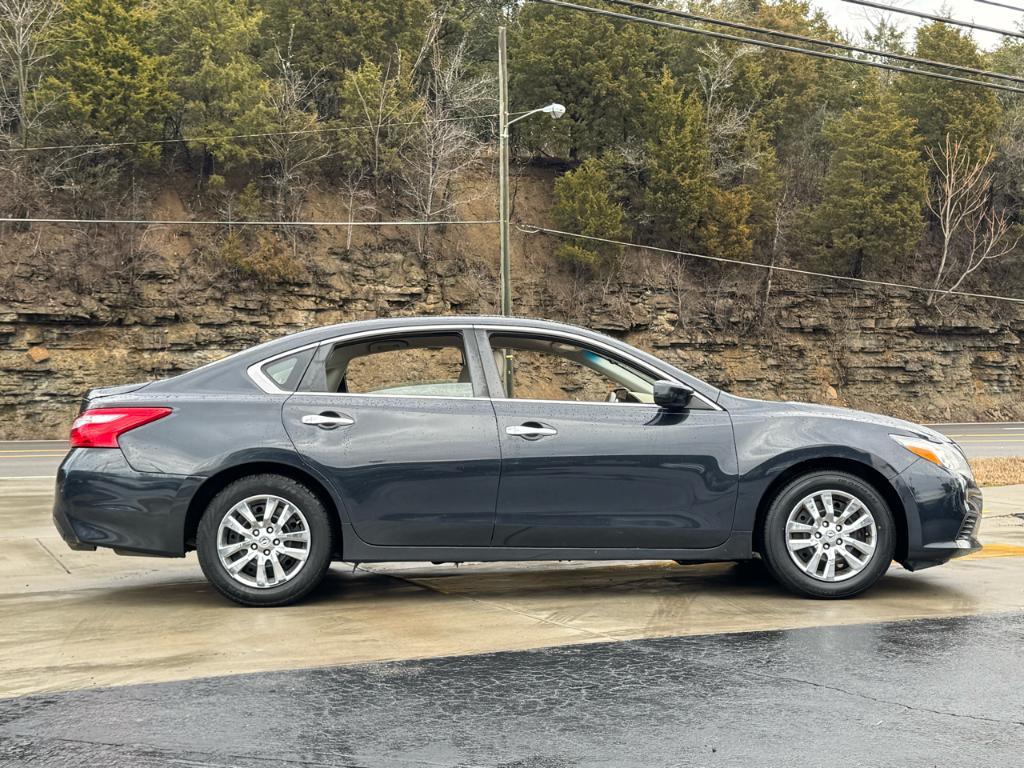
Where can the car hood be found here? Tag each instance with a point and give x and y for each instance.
(832, 412)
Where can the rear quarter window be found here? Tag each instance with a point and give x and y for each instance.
(286, 372)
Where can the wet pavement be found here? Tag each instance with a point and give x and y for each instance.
(922, 693)
(107, 660)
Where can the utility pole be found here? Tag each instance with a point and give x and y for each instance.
(555, 111)
(503, 214)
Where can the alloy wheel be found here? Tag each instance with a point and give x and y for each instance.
(831, 535)
(263, 541)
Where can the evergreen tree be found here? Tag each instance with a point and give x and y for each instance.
(106, 81)
(597, 67)
(968, 113)
(327, 38)
(586, 204)
(871, 211)
(218, 86)
(677, 166)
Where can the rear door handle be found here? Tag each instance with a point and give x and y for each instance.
(531, 431)
(328, 420)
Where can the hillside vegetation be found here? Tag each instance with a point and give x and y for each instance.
(245, 121)
(670, 140)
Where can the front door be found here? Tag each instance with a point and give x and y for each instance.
(589, 461)
(399, 425)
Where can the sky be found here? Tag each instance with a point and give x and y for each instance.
(851, 18)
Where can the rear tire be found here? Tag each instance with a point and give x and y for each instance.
(828, 535)
(264, 540)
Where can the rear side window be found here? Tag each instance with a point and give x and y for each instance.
(433, 365)
(286, 372)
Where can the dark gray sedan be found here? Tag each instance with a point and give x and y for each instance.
(482, 438)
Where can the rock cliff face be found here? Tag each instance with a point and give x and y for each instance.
(72, 318)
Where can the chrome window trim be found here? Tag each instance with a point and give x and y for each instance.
(266, 384)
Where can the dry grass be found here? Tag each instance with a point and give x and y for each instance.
(1008, 470)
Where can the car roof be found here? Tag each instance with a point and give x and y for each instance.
(322, 333)
(240, 360)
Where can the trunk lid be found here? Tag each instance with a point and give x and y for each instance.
(121, 389)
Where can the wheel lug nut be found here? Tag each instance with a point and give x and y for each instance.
(826, 546)
(254, 546)
(839, 528)
(270, 529)
(839, 541)
(277, 542)
(266, 551)
(817, 535)
(824, 523)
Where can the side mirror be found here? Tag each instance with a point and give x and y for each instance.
(668, 394)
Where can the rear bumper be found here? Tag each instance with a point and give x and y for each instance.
(101, 501)
(943, 515)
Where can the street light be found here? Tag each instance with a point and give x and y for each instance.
(555, 110)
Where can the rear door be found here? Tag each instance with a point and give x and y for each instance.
(586, 462)
(401, 425)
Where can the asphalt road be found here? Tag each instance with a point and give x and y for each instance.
(920, 693)
(999, 438)
(39, 458)
(31, 458)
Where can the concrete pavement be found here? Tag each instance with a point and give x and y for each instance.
(85, 619)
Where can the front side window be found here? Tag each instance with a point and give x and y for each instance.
(551, 369)
(432, 365)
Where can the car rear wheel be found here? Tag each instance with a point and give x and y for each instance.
(264, 540)
(828, 535)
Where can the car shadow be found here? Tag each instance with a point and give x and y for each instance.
(496, 581)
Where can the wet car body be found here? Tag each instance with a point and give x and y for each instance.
(435, 478)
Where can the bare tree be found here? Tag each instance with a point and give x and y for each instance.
(972, 232)
(726, 122)
(24, 28)
(444, 145)
(382, 101)
(358, 198)
(785, 208)
(300, 142)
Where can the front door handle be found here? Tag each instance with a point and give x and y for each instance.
(328, 420)
(531, 431)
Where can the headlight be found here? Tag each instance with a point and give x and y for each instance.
(945, 455)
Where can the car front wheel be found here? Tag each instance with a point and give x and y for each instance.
(828, 535)
(264, 540)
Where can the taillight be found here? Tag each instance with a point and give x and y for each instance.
(100, 427)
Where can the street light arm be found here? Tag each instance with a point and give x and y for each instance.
(525, 114)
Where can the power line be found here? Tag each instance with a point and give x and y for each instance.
(778, 46)
(1001, 5)
(817, 41)
(934, 17)
(209, 222)
(232, 137)
(533, 230)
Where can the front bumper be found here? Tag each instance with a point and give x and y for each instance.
(943, 515)
(101, 501)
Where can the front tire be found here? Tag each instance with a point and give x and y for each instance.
(828, 535)
(264, 540)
